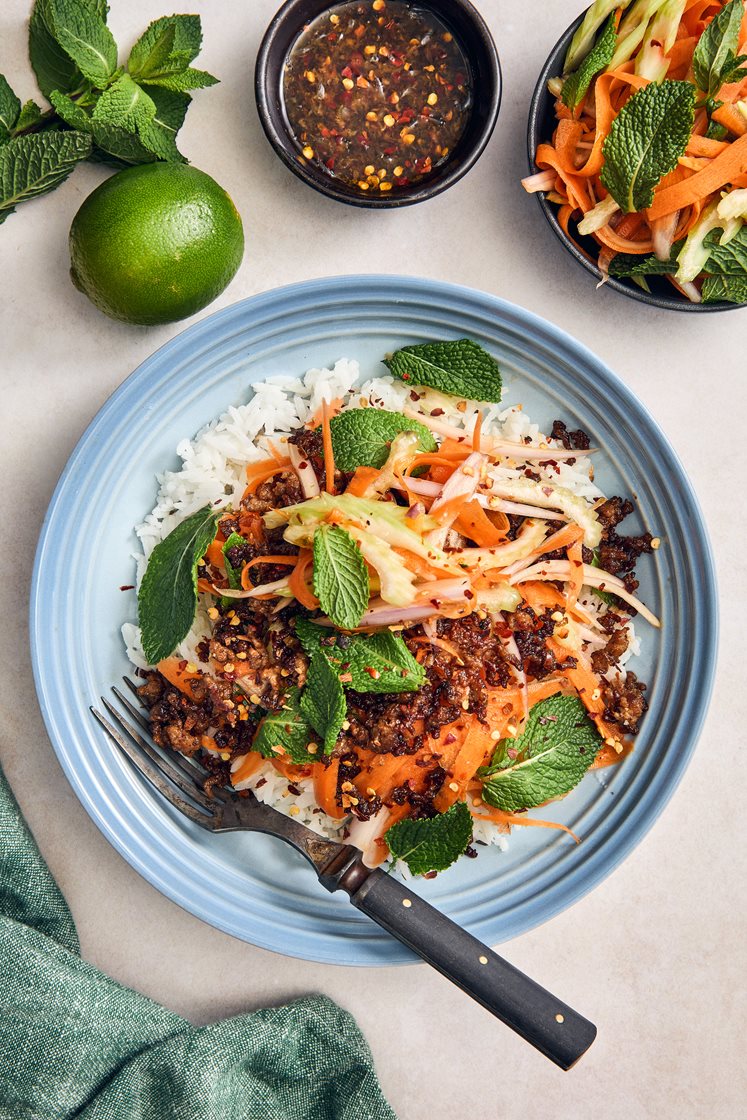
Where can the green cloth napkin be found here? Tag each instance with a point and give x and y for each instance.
(74, 1043)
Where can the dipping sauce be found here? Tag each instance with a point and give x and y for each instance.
(377, 94)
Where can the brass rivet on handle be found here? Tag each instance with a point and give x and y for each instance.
(483, 960)
(407, 902)
(559, 1018)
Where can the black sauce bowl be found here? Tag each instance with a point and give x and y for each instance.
(585, 250)
(471, 32)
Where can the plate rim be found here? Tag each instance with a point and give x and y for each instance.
(567, 890)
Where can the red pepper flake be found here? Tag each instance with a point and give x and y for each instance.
(374, 674)
(127, 587)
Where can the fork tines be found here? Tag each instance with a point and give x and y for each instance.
(177, 777)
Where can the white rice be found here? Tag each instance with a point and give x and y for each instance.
(213, 473)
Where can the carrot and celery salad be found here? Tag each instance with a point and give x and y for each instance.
(412, 624)
(649, 156)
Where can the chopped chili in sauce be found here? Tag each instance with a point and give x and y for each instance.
(377, 94)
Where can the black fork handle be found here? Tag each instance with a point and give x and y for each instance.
(548, 1024)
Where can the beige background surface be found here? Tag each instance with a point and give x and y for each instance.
(656, 955)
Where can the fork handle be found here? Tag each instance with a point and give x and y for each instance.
(550, 1025)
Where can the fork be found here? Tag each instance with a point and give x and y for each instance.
(548, 1024)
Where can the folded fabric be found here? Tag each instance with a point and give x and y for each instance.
(74, 1043)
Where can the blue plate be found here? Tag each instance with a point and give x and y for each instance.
(251, 886)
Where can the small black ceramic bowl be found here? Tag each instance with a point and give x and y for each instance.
(470, 31)
(585, 250)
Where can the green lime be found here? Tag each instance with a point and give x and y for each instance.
(155, 243)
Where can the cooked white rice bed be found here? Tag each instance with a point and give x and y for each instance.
(213, 473)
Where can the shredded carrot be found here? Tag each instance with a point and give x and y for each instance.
(329, 458)
(250, 764)
(325, 787)
(497, 816)
(297, 581)
(177, 672)
(474, 523)
(476, 432)
(214, 554)
(205, 587)
(257, 473)
(721, 170)
(732, 119)
(361, 480)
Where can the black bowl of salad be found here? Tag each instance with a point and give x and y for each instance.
(676, 259)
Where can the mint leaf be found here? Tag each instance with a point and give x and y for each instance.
(125, 105)
(323, 701)
(10, 107)
(361, 436)
(729, 259)
(340, 576)
(32, 165)
(434, 843)
(30, 114)
(287, 729)
(167, 599)
(168, 44)
(734, 69)
(576, 84)
(153, 50)
(118, 142)
(462, 368)
(71, 113)
(182, 80)
(716, 48)
(731, 289)
(556, 748)
(54, 69)
(159, 134)
(633, 264)
(80, 30)
(646, 139)
(379, 662)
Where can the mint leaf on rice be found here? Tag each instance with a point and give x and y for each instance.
(550, 757)
(323, 701)
(340, 576)
(367, 662)
(461, 368)
(167, 599)
(361, 437)
(434, 843)
(286, 733)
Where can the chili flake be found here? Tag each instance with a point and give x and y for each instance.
(380, 85)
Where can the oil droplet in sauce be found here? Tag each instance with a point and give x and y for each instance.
(377, 94)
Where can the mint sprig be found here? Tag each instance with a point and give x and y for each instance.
(632, 264)
(128, 114)
(323, 701)
(576, 84)
(549, 758)
(287, 729)
(379, 662)
(462, 368)
(646, 140)
(361, 437)
(434, 843)
(715, 60)
(726, 268)
(340, 576)
(167, 599)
